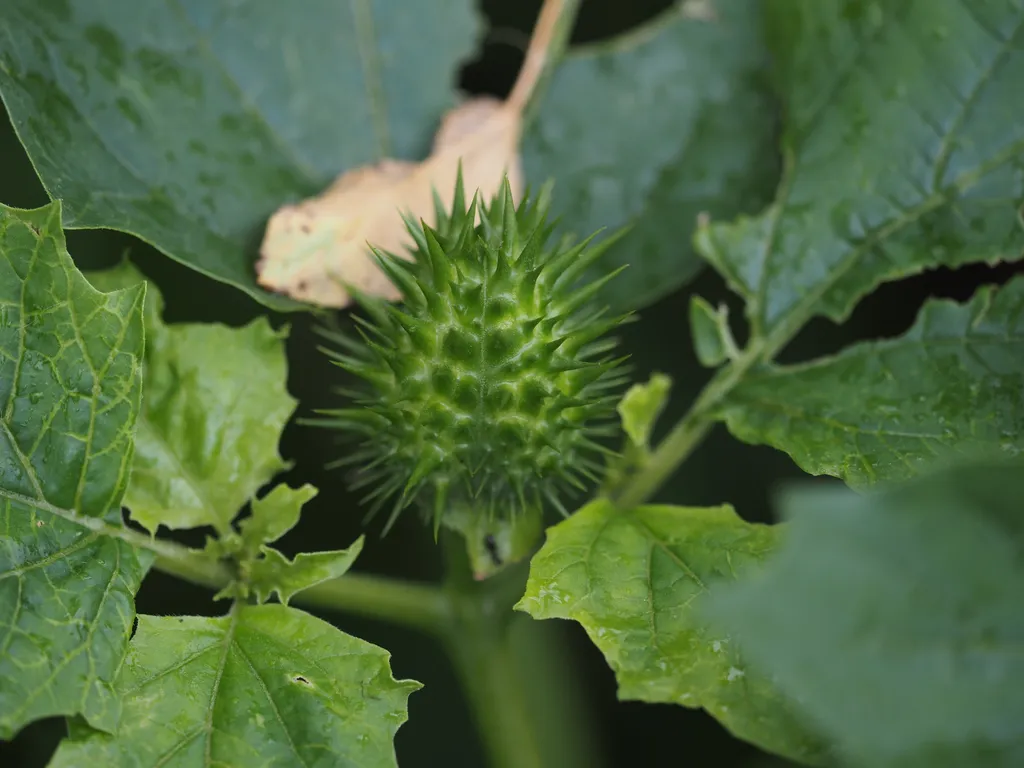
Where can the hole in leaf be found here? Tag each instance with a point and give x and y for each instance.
(301, 681)
(135, 628)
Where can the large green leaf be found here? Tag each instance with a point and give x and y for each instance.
(267, 685)
(905, 140)
(653, 129)
(954, 383)
(630, 577)
(214, 407)
(895, 618)
(188, 123)
(70, 382)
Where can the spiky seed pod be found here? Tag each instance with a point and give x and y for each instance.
(485, 390)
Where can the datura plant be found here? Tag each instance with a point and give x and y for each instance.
(487, 390)
(317, 161)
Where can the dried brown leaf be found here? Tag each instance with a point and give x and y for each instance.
(313, 249)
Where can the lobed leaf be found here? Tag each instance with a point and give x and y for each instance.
(70, 383)
(190, 124)
(276, 573)
(630, 578)
(266, 685)
(953, 384)
(274, 515)
(652, 130)
(640, 408)
(215, 404)
(905, 152)
(894, 620)
(709, 328)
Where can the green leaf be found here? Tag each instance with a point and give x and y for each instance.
(214, 406)
(189, 124)
(276, 573)
(274, 515)
(640, 407)
(630, 577)
(267, 685)
(653, 130)
(953, 384)
(70, 382)
(712, 337)
(894, 619)
(904, 153)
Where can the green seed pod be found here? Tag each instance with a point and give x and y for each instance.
(484, 391)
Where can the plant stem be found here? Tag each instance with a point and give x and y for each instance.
(487, 671)
(402, 602)
(394, 600)
(688, 432)
(376, 597)
(548, 41)
(478, 645)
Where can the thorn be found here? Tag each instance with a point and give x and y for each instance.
(578, 267)
(553, 499)
(585, 294)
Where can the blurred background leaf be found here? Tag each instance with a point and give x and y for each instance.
(189, 123)
(654, 128)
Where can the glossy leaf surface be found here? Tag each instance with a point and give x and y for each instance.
(70, 381)
(906, 153)
(267, 685)
(215, 403)
(953, 384)
(631, 578)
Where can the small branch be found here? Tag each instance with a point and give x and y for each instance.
(689, 431)
(400, 602)
(375, 597)
(549, 39)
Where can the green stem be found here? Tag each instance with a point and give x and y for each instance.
(478, 645)
(377, 597)
(487, 670)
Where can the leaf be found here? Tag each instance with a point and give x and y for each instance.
(630, 578)
(274, 515)
(276, 573)
(653, 130)
(267, 685)
(640, 407)
(214, 406)
(191, 123)
(894, 619)
(261, 570)
(952, 385)
(70, 382)
(904, 153)
(712, 337)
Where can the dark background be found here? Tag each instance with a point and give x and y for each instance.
(440, 731)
